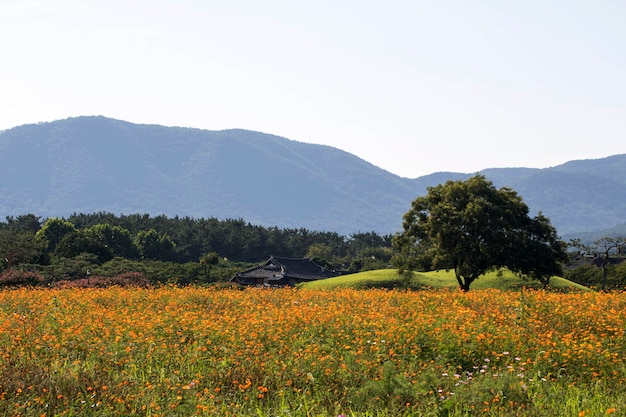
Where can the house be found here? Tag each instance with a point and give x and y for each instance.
(281, 272)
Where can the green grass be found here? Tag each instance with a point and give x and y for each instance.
(389, 278)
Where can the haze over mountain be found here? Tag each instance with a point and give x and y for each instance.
(92, 164)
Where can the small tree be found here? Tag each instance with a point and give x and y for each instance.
(209, 261)
(472, 227)
(153, 245)
(83, 241)
(16, 247)
(604, 250)
(53, 231)
(607, 247)
(117, 239)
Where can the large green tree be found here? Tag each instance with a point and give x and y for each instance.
(153, 245)
(117, 239)
(472, 227)
(53, 231)
(83, 241)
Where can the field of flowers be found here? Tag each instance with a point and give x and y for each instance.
(196, 351)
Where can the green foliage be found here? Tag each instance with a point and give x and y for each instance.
(153, 245)
(53, 231)
(67, 268)
(209, 261)
(119, 265)
(619, 274)
(592, 276)
(540, 253)
(185, 250)
(608, 257)
(16, 246)
(392, 390)
(587, 275)
(608, 248)
(237, 240)
(471, 227)
(322, 253)
(117, 240)
(23, 223)
(83, 241)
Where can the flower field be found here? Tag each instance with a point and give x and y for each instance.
(196, 351)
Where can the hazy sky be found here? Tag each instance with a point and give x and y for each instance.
(414, 87)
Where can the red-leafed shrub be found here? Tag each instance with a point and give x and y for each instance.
(136, 279)
(20, 278)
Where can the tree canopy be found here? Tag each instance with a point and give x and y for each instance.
(472, 227)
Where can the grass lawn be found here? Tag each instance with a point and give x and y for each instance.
(389, 278)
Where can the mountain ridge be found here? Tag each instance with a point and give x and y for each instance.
(92, 163)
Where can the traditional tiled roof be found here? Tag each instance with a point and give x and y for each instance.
(284, 269)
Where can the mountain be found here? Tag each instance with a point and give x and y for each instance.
(92, 164)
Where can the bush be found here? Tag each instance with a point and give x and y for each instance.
(587, 275)
(591, 276)
(20, 278)
(135, 279)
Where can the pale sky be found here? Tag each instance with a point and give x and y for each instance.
(414, 87)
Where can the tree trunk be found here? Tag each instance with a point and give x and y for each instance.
(9, 261)
(464, 282)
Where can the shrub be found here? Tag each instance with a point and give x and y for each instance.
(587, 275)
(134, 279)
(591, 276)
(20, 278)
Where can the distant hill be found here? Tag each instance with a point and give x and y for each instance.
(93, 164)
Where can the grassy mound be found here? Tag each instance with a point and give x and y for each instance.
(389, 278)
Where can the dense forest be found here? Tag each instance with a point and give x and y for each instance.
(163, 249)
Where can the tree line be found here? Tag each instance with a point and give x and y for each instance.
(165, 248)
